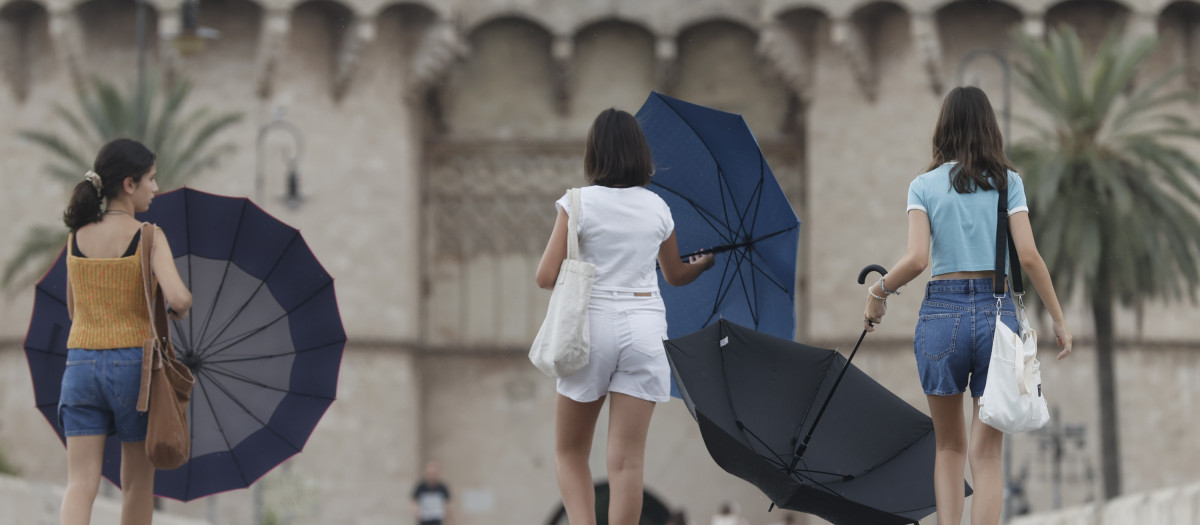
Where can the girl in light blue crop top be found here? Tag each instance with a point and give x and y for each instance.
(952, 220)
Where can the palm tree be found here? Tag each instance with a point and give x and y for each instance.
(1116, 195)
(182, 140)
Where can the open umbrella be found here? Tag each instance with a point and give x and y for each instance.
(767, 414)
(264, 340)
(724, 199)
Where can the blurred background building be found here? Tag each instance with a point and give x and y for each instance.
(438, 133)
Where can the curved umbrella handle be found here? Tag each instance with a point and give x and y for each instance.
(862, 276)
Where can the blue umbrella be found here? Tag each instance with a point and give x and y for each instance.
(724, 199)
(264, 341)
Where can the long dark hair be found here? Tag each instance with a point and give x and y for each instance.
(617, 154)
(967, 132)
(118, 160)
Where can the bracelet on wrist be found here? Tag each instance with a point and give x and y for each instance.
(885, 290)
(872, 294)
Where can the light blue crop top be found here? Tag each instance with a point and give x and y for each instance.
(962, 225)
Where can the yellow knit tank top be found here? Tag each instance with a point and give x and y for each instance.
(110, 304)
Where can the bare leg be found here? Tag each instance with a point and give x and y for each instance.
(85, 460)
(575, 423)
(628, 423)
(137, 485)
(987, 447)
(950, 436)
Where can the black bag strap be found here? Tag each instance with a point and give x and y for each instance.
(1004, 242)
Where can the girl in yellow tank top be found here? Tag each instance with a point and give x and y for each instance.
(110, 322)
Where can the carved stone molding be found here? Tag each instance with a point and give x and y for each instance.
(360, 33)
(1141, 25)
(1191, 55)
(14, 57)
(495, 197)
(66, 32)
(1138, 26)
(791, 58)
(929, 48)
(169, 27)
(1035, 25)
(849, 39)
(439, 48)
(562, 53)
(666, 63)
(272, 40)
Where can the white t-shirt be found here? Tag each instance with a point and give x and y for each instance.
(620, 231)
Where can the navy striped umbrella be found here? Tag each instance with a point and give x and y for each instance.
(724, 200)
(264, 340)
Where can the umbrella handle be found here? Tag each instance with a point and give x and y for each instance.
(715, 250)
(862, 276)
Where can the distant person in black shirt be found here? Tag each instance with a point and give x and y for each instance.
(431, 498)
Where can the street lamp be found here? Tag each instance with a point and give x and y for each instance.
(140, 104)
(291, 157)
(1054, 439)
(192, 36)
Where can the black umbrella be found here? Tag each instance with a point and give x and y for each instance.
(771, 412)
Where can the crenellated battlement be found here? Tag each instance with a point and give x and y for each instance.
(73, 32)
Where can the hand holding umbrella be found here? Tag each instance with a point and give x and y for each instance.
(724, 199)
(810, 430)
(876, 304)
(264, 340)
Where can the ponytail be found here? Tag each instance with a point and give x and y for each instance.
(118, 160)
(84, 208)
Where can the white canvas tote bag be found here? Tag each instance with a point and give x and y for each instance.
(562, 344)
(1012, 398)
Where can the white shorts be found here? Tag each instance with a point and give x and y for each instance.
(627, 354)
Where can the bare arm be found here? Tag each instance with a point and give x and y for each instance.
(1035, 267)
(556, 251)
(909, 267)
(174, 291)
(677, 272)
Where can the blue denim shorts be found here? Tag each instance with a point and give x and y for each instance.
(99, 394)
(953, 341)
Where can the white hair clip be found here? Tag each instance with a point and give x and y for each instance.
(96, 181)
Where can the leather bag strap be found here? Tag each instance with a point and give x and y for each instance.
(70, 289)
(154, 303)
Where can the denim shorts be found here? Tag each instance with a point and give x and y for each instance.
(953, 341)
(99, 394)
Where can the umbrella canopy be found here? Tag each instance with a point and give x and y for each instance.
(757, 399)
(264, 340)
(723, 198)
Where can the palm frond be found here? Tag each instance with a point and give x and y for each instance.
(39, 248)
(183, 139)
(81, 130)
(1119, 195)
(206, 132)
(56, 146)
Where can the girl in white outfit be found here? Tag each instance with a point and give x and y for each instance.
(623, 229)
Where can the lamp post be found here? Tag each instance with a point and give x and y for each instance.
(1006, 115)
(291, 157)
(140, 99)
(1054, 439)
